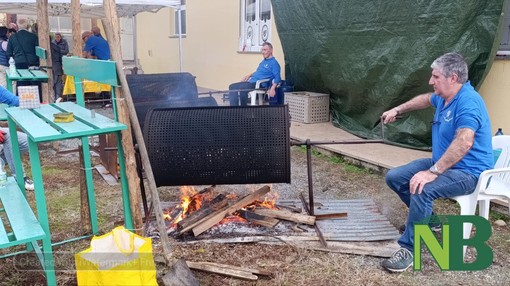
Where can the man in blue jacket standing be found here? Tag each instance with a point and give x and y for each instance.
(5, 140)
(269, 68)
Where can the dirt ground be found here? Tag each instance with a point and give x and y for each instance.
(333, 179)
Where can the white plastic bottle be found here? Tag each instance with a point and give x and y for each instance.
(12, 67)
(3, 175)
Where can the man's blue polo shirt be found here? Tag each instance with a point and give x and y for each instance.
(466, 110)
(98, 47)
(268, 68)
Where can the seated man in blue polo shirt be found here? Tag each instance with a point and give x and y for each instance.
(269, 68)
(5, 140)
(461, 149)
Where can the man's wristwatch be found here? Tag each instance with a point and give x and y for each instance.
(434, 170)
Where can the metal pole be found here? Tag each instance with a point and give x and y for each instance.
(180, 37)
(135, 48)
(310, 180)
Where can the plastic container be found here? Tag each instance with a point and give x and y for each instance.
(12, 67)
(308, 107)
(3, 175)
(499, 132)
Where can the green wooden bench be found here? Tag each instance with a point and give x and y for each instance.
(40, 52)
(20, 217)
(18, 225)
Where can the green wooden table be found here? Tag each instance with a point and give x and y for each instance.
(39, 126)
(25, 75)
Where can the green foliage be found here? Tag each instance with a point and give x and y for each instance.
(495, 215)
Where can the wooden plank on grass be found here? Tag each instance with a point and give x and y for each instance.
(287, 215)
(220, 269)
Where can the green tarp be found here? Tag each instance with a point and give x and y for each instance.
(373, 55)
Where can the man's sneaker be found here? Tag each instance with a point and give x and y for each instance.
(29, 184)
(435, 227)
(399, 261)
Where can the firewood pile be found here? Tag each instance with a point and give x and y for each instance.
(201, 211)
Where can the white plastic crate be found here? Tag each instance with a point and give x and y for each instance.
(308, 107)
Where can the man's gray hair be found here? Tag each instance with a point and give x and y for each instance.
(268, 44)
(452, 63)
(23, 23)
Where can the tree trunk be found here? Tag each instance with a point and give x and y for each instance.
(44, 42)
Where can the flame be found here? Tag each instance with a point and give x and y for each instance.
(270, 201)
(232, 218)
(191, 201)
(186, 194)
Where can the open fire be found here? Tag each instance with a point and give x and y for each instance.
(201, 210)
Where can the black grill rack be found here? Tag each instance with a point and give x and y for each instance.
(218, 145)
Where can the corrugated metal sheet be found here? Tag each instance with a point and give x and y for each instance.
(364, 221)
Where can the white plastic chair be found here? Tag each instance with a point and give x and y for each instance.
(492, 184)
(499, 185)
(258, 92)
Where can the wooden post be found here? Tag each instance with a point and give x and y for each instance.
(112, 29)
(44, 42)
(75, 18)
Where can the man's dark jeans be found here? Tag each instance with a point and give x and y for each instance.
(236, 96)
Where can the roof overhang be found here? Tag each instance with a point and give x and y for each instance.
(89, 8)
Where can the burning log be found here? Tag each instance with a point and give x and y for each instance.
(215, 217)
(201, 199)
(258, 219)
(175, 214)
(287, 215)
(229, 270)
(220, 201)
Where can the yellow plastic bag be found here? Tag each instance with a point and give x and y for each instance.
(119, 257)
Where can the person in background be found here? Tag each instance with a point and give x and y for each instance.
(4, 60)
(95, 47)
(461, 149)
(96, 31)
(5, 140)
(268, 68)
(59, 48)
(34, 28)
(13, 26)
(21, 47)
(10, 32)
(62, 43)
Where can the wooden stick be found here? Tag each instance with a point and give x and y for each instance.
(112, 29)
(286, 215)
(225, 270)
(216, 217)
(258, 219)
(316, 227)
(330, 216)
(293, 209)
(250, 270)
